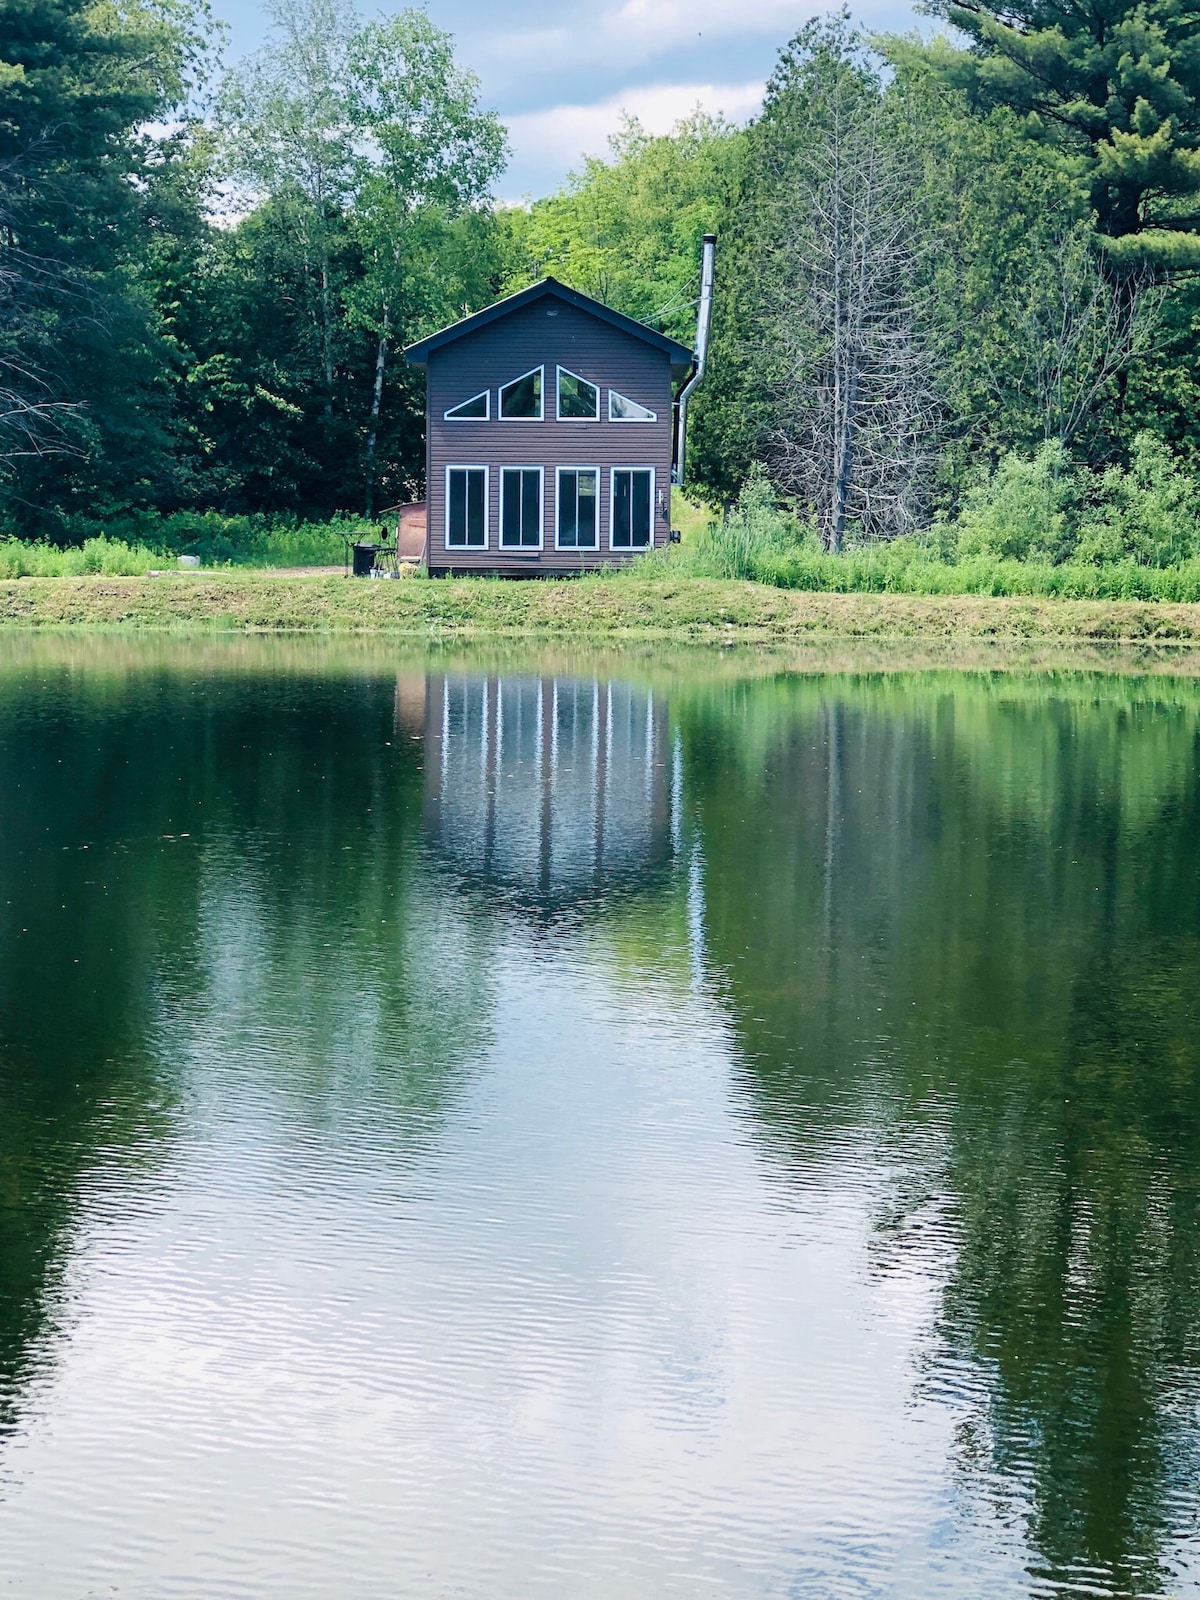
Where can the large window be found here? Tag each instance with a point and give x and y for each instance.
(578, 400)
(632, 499)
(521, 400)
(466, 508)
(622, 409)
(578, 499)
(521, 508)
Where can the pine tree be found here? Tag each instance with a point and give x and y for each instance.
(1117, 84)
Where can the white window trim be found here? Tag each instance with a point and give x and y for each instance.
(522, 549)
(558, 371)
(577, 548)
(485, 394)
(629, 549)
(469, 466)
(500, 388)
(636, 422)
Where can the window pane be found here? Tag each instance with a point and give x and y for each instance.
(577, 496)
(476, 510)
(588, 503)
(622, 409)
(472, 410)
(568, 509)
(456, 532)
(577, 398)
(531, 506)
(522, 399)
(641, 507)
(520, 508)
(465, 522)
(631, 508)
(586, 538)
(621, 520)
(510, 508)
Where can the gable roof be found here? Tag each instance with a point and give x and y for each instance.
(680, 355)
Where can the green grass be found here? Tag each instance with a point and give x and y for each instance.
(111, 557)
(613, 607)
(903, 568)
(134, 545)
(757, 542)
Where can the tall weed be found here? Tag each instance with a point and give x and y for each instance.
(137, 544)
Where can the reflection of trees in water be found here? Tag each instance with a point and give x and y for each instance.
(239, 851)
(982, 910)
(973, 909)
(228, 877)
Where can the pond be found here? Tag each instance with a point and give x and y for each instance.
(601, 1129)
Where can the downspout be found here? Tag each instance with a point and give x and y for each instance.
(707, 263)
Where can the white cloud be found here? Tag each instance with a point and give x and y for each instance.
(631, 32)
(555, 140)
(664, 24)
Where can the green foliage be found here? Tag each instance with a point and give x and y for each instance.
(79, 354)
(1118, 87)
(755, 541)
(1032, 526)
(98, 556)
(369, 144)
(627, 229)
(1026, 510)
(794, 306)
(133, 544)
(1149, 514)
(155, 366)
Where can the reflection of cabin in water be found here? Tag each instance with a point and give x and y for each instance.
(546, 786)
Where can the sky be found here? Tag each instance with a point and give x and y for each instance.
(560, 72)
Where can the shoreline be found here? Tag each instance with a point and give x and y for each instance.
(618, 609)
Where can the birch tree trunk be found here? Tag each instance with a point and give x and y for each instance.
(381, 353)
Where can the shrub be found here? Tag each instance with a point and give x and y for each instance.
(1024, 510)
(1149, 514)
(758, 540)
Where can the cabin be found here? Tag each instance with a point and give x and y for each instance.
(548, 436)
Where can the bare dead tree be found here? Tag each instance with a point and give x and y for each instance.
(1076, 329)
(32, 420)
(855, 400)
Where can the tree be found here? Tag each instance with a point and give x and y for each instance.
(1117, 86)
(1076, 332)
(78, 84)
(856, 422)
(289, 137)
(367, 143)
(435, 153)
(626, 229)
(823, 363)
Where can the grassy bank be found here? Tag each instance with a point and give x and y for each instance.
(597, 608)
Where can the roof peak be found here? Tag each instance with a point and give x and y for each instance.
(419, 352)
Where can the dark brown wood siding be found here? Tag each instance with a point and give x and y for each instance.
(548, 333)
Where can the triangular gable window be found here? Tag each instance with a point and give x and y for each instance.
(622, 409)
(521, 400)
(476, 409)
(578, 400)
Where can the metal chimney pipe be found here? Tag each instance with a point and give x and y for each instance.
(707, 267)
